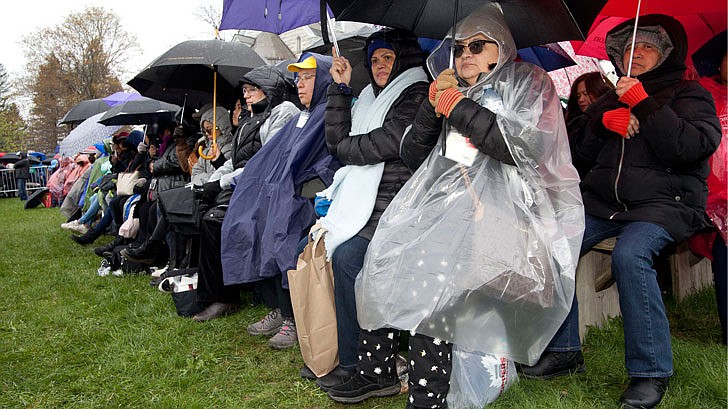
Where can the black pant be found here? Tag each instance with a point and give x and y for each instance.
(430, 364)
(210, 285)
(275, 296)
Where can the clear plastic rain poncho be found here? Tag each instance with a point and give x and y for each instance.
(484, 256)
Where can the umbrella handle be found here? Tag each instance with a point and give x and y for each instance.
(213, 147)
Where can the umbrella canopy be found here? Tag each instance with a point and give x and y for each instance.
(86, 133)
(273, 17)
(707, 58)
(84, 109)
(550, 57)
(9, 158)
(563, 78)
(37, 198)
(702, 19)
(532, 22)
(139, 111)
(184, 74)
(120, 97)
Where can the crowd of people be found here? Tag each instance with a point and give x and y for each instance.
(453, 199)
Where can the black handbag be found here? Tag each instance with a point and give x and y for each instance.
(182, 210)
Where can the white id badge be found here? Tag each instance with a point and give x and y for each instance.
(302, 119)
(459, 148)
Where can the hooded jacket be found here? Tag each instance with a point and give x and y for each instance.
(514, 216)
(657, 176)
(381, 144)
(265, 120)
(267, 215)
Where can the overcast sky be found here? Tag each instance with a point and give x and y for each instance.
(157, 24)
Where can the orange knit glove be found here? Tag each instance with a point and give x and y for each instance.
(433, 92)
(446, 101)
(617, 120)
(634, 95)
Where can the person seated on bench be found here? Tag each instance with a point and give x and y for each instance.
(650, 141)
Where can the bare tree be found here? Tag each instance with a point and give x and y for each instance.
(211, 15)
(82, 58)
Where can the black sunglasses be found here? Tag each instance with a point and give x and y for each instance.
(475, 47)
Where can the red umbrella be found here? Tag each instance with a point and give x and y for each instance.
(702, 19)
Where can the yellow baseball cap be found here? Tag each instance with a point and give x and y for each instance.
(308, 63)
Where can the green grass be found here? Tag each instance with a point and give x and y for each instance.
(69, 338)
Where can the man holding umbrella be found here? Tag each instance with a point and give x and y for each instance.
(649, 143)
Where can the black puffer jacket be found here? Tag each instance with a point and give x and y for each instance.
(657, 176)
(381, 144)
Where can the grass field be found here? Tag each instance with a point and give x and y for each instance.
(72, 339)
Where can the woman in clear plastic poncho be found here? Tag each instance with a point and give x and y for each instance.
(480, 251)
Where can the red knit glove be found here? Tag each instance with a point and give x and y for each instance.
(446, 101)
(617, 120)
(433, 92)
(634, 95)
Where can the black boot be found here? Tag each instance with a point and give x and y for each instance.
(144, 254)
(359, 388)
(554, 364)
(644, 393)
(105, 250)
(87, 238)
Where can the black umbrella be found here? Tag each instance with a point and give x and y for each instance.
(84, 110)
(140, 111)
(9, 158)
(185, 74)
(532, 22)
(36, 198)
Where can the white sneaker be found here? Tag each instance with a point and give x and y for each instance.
(69, 225)
(105, 268)
(157, 272)
(80, 228)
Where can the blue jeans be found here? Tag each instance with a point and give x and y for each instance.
(648, 353)
(22, 193)
(347, 262)
(93, 208)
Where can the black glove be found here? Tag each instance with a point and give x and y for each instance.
(210, 191)
(179, 133)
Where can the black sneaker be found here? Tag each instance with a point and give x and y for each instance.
(644, 393)
(336, 377)
(360, 388)
(554, 364)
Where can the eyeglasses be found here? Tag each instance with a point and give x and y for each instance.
(475, 47)
(250, 89)
(209, 130)
(306, 77)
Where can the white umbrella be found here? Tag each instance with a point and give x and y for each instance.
(85, 134)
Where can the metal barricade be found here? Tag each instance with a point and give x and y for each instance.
(39, 175)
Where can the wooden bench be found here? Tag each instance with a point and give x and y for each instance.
(681, 273)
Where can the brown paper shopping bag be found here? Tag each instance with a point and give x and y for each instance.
(312, 294)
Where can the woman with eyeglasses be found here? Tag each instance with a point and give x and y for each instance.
(477, 252)
(264, 89)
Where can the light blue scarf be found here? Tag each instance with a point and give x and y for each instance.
(353, 192)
